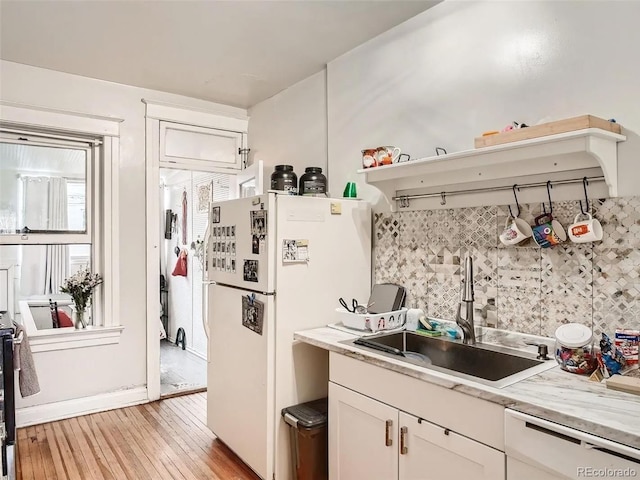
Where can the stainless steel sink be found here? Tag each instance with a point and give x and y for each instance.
(487, 364)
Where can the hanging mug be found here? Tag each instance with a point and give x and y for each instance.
(515, 231)
(584, 231)
(548, 232)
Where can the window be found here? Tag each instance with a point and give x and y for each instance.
(81, 226)
(50, 219)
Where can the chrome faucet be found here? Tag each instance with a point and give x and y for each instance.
(466, 296)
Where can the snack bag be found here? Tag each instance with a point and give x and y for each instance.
(611, 356)
(627, 342)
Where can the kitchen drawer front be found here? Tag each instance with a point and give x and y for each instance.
(467, 415)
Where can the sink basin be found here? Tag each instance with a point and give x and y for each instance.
(487, 364)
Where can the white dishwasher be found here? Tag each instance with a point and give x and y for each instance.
(537, 449)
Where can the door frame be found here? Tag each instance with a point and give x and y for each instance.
(235, 119)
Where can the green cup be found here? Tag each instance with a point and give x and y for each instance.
(350, 190)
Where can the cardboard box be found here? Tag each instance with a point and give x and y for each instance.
(628, 342)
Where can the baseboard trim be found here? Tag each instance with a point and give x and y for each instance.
(188, 349)
(50, 412)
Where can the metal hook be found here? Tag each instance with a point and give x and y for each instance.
(443, 198)
(585, 182)
(517, 204)
(549, 187)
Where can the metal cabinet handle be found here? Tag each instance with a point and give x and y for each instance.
(388, 441)
(403, 441)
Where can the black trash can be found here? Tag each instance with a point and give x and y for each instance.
(309, 441)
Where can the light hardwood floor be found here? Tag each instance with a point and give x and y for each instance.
(168, 439)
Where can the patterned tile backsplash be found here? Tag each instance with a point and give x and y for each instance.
(532, 290)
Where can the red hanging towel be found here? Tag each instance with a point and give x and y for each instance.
(181, 265)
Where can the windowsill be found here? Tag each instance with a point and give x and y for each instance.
(69, 337)
(49, 339)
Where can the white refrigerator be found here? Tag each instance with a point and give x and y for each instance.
(295, 256)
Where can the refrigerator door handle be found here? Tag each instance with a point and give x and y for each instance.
(205, 278)
(205, 307)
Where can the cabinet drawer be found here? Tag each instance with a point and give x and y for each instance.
(467, 415)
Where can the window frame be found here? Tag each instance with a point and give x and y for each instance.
(102, 214)
(92, 177)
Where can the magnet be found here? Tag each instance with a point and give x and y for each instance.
(250, 271)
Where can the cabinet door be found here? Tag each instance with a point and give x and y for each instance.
(363, 437)
(197, 147)
(435, 453)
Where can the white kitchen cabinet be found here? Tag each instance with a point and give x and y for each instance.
(372, 440)
(432, 452)
(206, 149)
(363, 437)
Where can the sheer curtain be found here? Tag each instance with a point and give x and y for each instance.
(44, 267)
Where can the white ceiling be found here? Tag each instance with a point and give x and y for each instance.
(232, 52)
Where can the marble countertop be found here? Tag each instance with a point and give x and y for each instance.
(555, 395)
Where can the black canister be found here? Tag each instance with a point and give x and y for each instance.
(313, 182)
(284, 178)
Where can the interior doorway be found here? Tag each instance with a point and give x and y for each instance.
(185, 196)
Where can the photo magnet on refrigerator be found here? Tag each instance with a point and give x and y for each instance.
(252, 314)
(258, 222)
(250, 271)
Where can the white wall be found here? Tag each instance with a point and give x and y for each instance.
(88, 371)
(461, 68)
(291, 127)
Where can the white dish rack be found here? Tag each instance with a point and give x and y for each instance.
(373, 322)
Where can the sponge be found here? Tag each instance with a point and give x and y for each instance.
(429, 333)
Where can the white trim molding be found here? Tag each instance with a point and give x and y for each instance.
(229, 118)
(73, 121)
(50, 412)
(69, 337)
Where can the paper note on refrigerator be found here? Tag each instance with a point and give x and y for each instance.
(294, 251)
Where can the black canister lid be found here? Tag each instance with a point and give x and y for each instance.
(283, 168)
(308, 415)
(313, 170)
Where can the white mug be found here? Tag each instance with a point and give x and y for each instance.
(387, 155)
(515, 231)
(584, 231)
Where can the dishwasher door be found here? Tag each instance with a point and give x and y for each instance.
(537, 449)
